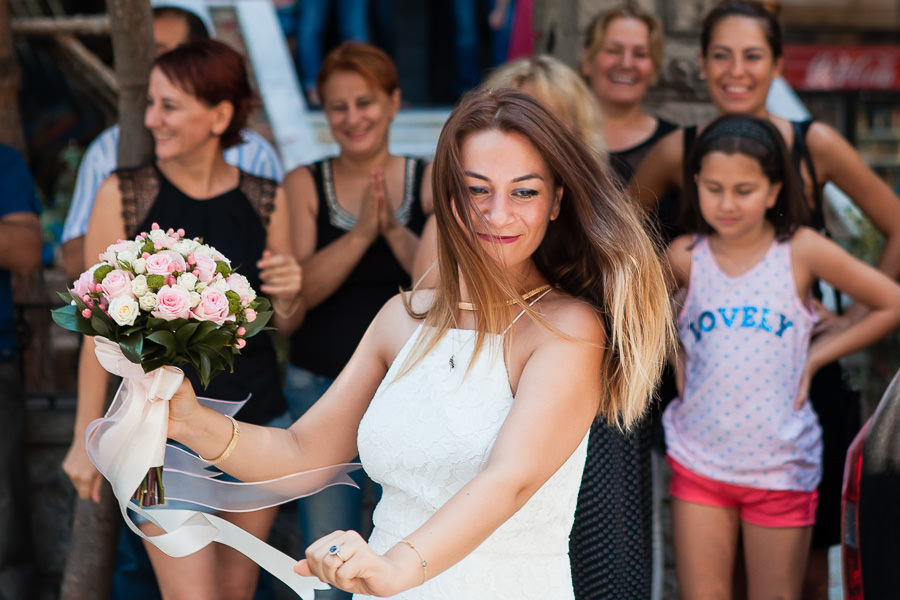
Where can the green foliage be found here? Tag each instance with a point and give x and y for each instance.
(234, 302)
(153, 342)
(101, 272)
(223, 268)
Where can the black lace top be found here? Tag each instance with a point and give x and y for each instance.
(235, 224)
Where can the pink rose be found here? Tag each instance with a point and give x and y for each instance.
(113, 249)
(205, 268)
(116, 283)
(164, 263)
(213, 306)
(239, 284)
(216, 255)
(82, 285)
(172, 303)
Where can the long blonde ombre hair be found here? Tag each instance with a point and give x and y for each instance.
(596, 250)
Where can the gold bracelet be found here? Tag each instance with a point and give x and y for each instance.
(235, 434)
(423, 561)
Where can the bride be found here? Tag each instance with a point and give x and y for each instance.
(471, 403)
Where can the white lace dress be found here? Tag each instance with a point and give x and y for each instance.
(429, 433)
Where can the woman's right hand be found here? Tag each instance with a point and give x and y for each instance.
(368, 224)
(81, 471)
(181, 407)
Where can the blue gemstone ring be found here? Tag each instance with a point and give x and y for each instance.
(335, 550)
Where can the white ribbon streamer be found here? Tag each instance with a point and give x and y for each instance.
(131, 439)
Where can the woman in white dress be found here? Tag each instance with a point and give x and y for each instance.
(471, 403)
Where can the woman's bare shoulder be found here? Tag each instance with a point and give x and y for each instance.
(299, 186)
(573, 317)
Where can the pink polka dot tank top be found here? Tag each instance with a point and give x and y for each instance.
(745, 340)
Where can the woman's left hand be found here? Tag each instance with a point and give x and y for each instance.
(344, 560)
(281, 275)
(829, 323)
(387, 221)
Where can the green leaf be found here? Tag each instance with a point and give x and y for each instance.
(205, 369)
(68, 296)
(132, 346)
(234, 302)
(203, 330)
(101, 272)
(67, 317)
(262, 318)
(155, 281)
(223, 268)
(153, 362)
(102, 324)
(165, 339)
(148, 246)
(183, 335)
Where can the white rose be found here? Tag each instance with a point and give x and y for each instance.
(139, 265)
(147, 301)
(195, 299)
(127, 256)
(185, 246)
(221, 285)
(203, 250)
(187, 281)
(157, 234)
(139, 286)
(123, 310)
(201, 285)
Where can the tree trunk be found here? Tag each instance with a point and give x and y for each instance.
(91, 559)
(10, 84)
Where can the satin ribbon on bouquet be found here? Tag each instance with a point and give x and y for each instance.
(131, 438)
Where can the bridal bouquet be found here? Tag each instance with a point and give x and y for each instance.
(165, 300)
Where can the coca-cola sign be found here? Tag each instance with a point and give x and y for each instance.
(813, 67)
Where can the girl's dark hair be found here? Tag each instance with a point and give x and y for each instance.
(743, 8)
(760, 140)
(212, 72)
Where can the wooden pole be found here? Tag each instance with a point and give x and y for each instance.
(91, 559)
(10, 83)
(76, 25)
(131, 26)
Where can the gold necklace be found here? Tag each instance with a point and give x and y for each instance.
(527, 295)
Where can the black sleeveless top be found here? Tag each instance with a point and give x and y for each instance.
(625, 162)
(235, 224)
(331, 331)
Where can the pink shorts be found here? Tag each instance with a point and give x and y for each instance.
(767, 508)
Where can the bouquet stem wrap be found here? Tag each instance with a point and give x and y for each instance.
(131, 438)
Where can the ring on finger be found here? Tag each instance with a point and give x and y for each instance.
(335, 550)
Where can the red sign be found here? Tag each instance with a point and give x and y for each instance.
(815, 67)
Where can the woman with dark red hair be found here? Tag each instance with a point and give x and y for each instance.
(198, 102)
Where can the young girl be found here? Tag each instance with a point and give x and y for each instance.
(743, 442)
